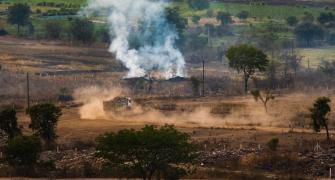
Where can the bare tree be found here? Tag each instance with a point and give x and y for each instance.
(265, 97)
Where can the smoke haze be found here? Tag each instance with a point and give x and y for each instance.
(142, 39)
(92, 98)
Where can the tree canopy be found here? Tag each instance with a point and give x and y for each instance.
(8, 122)
(53, 29)
(326, 17)
(319, 113)
(82, 30)
(147, 151)
(23, 150)
(309, 32)
(247, 59)
(292, 20)
(224, 17)
(18, 14)
(44, 118)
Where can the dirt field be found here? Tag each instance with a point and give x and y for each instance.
(229, 129)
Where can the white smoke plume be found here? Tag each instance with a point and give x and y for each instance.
(142, 39)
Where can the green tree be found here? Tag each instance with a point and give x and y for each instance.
(173, 17)
(292, 21)
(326, 17)
(308, 17)
(224, 18)
(308, 33)
(18, 15)
(265, 97)
(247, 59)
(23, 151)
(8, 122)
(319, 114)
(53, 29)
(198, 4)
(82, 30)
(243, 15)
(196, 19)
(147, 151)
(44, 118)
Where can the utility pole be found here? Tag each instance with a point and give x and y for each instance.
(28, 93)
(203, 78)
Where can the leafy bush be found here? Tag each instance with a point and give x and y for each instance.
(3, 32)
(23, 151)
(44, 118)
(292, 21)
(82, 30)
(243, 14)
(147, 151)
(273, 144)
(8, 122)
(53, 30)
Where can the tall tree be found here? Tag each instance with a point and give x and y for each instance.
(326, 17)
(8, 122)
(308, 33)
(224, 17)
(319, 114)
(147, 151)
(44, 118)
(18, 15)
(247, 59)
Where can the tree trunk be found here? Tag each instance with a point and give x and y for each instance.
(246, 78)
(266, 108)
(328, 138)
(18, 29)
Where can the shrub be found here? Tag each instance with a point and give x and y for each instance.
(44, 118)
(23, 151)
(243, 15)
(53, 30)
(82, 30)
(8, 122)
(3, 32)
(148, 150)
(273, 144)
(292, 21)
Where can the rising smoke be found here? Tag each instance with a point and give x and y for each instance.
(142, 39)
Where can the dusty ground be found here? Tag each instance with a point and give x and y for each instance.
(228, 124)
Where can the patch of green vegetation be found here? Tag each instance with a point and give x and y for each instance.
(316, 55)
(259, 11)
(76, 2)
